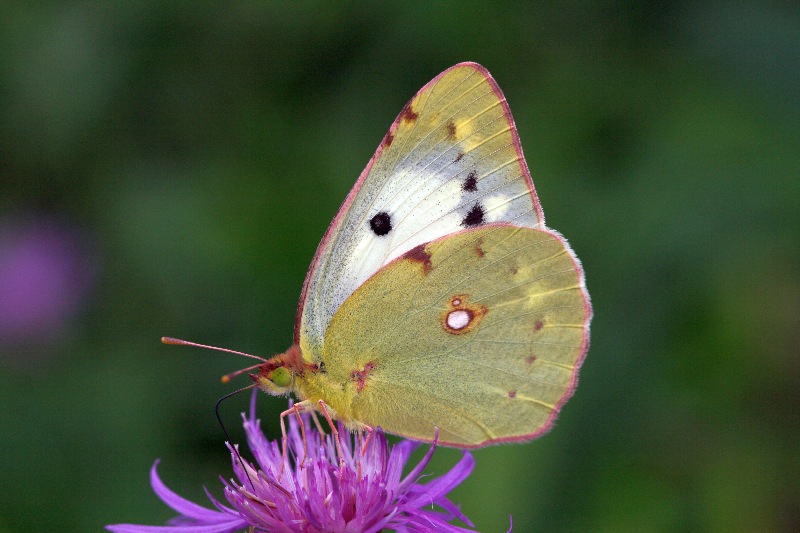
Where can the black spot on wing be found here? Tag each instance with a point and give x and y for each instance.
(471, 183)
(381, 224)
(474, 217)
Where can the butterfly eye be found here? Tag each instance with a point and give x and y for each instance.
(281, 377)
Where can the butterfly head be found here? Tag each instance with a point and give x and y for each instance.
(277, 375)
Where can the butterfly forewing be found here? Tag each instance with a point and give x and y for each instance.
(451, 160)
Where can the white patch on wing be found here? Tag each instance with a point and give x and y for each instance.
(426, 217)
(419, 214)
(496, 207)
(458, 319)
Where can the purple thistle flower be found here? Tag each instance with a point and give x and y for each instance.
(365, 493)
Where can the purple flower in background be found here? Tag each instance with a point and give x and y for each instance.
(367, 493)
(46, 271)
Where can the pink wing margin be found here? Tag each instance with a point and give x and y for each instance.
(354, 191)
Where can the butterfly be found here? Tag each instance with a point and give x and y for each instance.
(438, 300)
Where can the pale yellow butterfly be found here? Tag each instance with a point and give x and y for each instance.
(438, 298)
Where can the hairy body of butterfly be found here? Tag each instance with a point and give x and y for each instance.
(438, 298)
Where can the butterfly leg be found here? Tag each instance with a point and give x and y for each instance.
(369, 431)
(295, 409)
(317, 423)
(334, 430)
(303, 434)
(362, 428)
(355, 425)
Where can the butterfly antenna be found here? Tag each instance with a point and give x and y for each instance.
(180, 342)
(227, 377)
(225, 431)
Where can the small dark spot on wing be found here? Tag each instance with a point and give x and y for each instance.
(471, 183)
(381, 224)
(474, 217)
(478, 247)
(408, 114)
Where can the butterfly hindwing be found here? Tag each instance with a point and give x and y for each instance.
(480, 333)
(451, 161)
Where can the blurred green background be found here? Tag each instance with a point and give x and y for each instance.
(168, 168)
